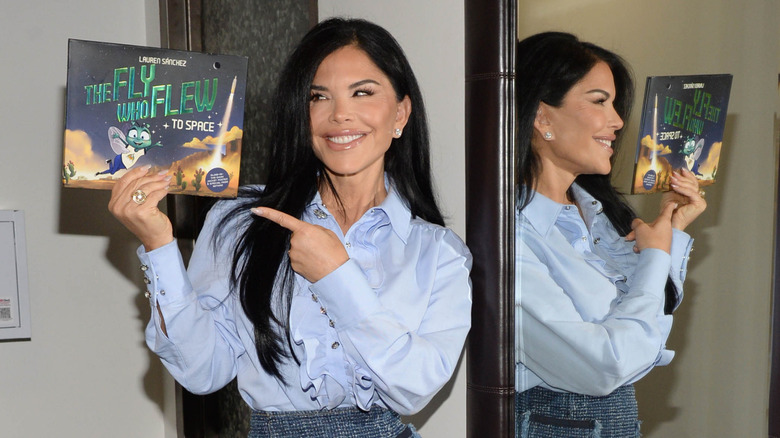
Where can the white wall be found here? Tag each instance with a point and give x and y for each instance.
(86, 371)
(717, 386)
(431, 33)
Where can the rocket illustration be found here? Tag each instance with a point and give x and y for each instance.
(226, 120)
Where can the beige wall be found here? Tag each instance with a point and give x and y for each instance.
(86, 371)
(717, 386)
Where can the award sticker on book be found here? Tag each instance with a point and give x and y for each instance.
(682, 127)
(178, 111)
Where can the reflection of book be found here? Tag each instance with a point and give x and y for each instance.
(682, 126)
(174, 110)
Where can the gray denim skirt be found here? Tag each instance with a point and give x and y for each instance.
(335, 423)
(541, 413)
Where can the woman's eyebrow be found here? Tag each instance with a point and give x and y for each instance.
(363, 82)
(357, 84)
(599, 90)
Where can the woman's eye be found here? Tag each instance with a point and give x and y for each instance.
(316, 96)
(363, 92)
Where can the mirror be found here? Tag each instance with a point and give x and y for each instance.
(722, 328)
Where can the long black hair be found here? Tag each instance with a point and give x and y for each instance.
(548, 65)
(261, 271)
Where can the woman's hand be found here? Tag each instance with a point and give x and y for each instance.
(314, 251)
(657, 234)
(143, 219)
(686, 194)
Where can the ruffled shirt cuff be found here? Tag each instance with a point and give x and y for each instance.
(167, 286)
(650, 274)
(165, 275)
(682, 245)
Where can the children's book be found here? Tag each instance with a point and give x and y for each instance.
(178, 111)
(682, 127)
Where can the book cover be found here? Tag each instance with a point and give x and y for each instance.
(175, 110)
(682, 127)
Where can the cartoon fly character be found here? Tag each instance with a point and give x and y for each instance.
(692, 151)
(128, 148)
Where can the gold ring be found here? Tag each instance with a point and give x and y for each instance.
(139, 197)
(701, 192)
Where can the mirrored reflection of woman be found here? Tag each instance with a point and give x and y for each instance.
(595, 285)
(334, 293)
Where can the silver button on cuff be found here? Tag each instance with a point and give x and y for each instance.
(335, 345)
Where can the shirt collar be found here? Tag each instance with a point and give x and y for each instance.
(396, 210)
(542, 212)
(393, 206)
(589, 206)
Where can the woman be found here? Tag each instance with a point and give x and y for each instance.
(334, 293)
(595, 285)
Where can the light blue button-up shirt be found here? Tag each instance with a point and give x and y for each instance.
(589, 311)
(387, 327)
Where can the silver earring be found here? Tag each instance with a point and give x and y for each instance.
(398, 132)
(548, 135)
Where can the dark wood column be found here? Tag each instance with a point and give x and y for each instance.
(774, 380)
(490, 46)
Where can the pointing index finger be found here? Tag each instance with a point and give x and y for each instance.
(280, 218)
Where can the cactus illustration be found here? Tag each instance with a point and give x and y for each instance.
(68, 171)
(663, 179)
(180, 178)
(198, 177)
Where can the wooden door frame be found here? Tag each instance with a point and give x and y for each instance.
(491, 37)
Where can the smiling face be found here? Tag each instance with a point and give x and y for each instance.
(583, 128)
(354, 113)
(139, 137)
